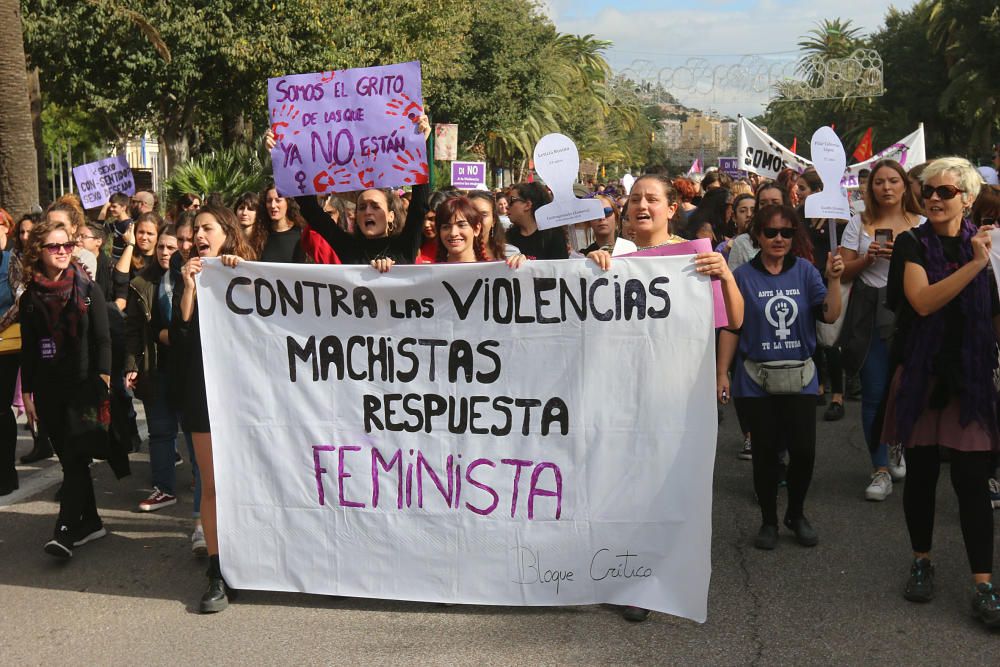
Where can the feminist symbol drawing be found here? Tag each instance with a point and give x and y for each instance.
(781, 312)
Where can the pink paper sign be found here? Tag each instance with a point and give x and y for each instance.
(691, 248)
(347, 130)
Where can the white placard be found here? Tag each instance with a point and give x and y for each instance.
(628, 180)
(995, 255)
(829, 161)
(557, 162)
(392, 436)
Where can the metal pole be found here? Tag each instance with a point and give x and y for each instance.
(69, 165)
(52, 166)
(62, 177)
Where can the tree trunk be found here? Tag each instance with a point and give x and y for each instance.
(233, 128)
(35, 101)
(178, 148)
(18, 163)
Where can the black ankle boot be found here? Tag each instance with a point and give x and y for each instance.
(9, 486)
(214, 599)
(42, 450)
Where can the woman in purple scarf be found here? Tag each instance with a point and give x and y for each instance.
(942, 393)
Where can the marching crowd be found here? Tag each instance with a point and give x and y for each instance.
(904, 312)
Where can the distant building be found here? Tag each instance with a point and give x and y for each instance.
(670, 132)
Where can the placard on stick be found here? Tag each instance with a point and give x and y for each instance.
(557, 162)
(468, 175)
(97, 181)
(347, 129)
(831, 202)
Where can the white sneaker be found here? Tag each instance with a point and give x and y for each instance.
(897, 463)
(199, 547)
(880, 487)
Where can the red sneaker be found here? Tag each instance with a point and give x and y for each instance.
(157, 500)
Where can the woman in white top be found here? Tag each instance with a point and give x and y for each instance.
(890, 210)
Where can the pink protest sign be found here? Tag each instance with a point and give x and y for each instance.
(97, 181)
(347, 129)
(691, 248)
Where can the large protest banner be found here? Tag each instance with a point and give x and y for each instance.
(908, 151)
(465, 433)
(97, 181)
(347, 129)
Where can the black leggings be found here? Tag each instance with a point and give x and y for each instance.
(829, 366)
(970, 473)
(78, 504)
(777, 422)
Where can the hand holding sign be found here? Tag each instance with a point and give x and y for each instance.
(557, 162)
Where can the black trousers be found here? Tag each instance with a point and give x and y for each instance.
(830, 368)
(970, 473)
(9, 363)
(777, 422)
(78, 503)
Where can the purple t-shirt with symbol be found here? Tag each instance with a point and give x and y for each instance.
(779, 320)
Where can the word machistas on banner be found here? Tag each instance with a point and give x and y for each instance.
(97, 181)
(437, 437)
(347, 130)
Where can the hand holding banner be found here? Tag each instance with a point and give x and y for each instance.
(347, 130)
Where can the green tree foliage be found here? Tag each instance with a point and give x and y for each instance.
(229, 171)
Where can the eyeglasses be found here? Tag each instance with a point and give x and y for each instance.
(943, 191)
(57, 248)
(81, 237)
(772, 232)
(608, 212)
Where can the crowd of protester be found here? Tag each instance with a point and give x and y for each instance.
(899, 302)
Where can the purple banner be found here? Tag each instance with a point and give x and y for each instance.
(97, 181)
(731, 167)
(468, 175)
(347, 130)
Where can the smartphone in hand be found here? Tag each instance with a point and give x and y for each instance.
(883, 236)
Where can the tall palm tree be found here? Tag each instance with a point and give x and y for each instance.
(18, 165)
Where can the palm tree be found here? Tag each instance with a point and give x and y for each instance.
(18, 165)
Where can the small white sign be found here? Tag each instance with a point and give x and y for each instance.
(628, 180)
(830, 161)
(557, 162)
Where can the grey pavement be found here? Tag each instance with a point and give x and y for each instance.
(131, 598)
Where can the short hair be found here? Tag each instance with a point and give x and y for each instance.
(119, 199)
(762, 216)
(535, 193)
(716, 177)
(98, 231)
(970, 181)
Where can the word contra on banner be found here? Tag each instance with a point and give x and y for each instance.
(97, 181)
(423, 439)
(347, 129)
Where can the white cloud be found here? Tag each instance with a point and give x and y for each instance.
(672, 31)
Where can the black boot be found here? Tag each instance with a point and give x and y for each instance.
(42, 450)
(214, 599)
(10, 485)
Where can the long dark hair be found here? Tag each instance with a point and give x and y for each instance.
(261, 230)
(151, 218)
(711, 210)
(496, 241)
(235, 243)
(801, 244)
(446, 212)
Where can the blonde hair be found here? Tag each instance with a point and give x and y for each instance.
(969, 179)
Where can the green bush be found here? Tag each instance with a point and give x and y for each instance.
(230, 171)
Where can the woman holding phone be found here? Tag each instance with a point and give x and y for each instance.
(890, 210)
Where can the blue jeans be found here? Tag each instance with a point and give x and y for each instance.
(874, 380)
(161, 421)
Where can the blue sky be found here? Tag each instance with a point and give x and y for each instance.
(667, 33)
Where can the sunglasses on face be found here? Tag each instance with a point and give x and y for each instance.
(56, 248)
(608, 212)
(987, 220)
(514, 200)
(943, 191)
(772, 232)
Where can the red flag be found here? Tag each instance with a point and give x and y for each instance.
(864, 149)
(795, 145)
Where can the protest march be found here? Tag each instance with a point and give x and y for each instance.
(412, 361)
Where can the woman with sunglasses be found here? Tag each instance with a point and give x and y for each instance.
(774, 378)
(867, 246)
(65, 373)
(942, 392)
(525, 199)
(607, 229)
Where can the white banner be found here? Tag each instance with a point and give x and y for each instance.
(465, 433)
(908, 151)
(762, 154)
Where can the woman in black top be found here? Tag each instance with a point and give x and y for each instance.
(65, 373)
(277, 229)
(216, 233)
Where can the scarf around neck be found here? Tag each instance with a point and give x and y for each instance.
(62, 302)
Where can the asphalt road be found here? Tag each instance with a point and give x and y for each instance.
(131, 597)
